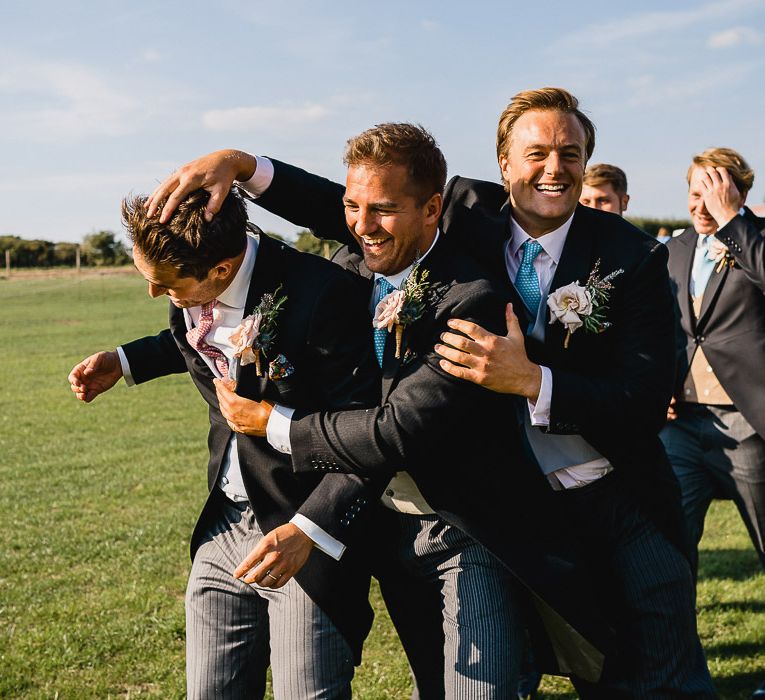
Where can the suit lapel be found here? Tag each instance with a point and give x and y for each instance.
(267, 274)
(576, 262)
(711, 292)
(390, 365)
(688, 238)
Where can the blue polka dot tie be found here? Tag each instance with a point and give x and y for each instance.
(527, 281)
(381, 334)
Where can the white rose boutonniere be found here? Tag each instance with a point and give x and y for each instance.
(575, 305)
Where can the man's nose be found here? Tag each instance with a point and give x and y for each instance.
(156, 291)
(366, 222)
(553, 163)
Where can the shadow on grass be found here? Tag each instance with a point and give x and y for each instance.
(733, 650)
(739, 687)
(731, 606)
(730, 564)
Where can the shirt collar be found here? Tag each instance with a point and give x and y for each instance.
(398, 279)
(235, 295)
(552, 243)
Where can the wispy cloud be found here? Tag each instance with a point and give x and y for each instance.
(649, 90)
(240, 118)
(70, 101)
(736, 36)
(151, 55)
(655, 23)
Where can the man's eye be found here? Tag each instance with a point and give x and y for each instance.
(351, 207)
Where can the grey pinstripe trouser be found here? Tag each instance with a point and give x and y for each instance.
(228, 625)
(646, 588)
(455, 608)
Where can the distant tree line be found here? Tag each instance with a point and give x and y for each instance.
(97, 249)
(652, 226)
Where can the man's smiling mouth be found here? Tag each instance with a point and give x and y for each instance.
(551, 189)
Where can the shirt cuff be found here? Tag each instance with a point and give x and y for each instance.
(278, 429)
(125, 367)
(261, 179)
(321, 540)
(540, 411)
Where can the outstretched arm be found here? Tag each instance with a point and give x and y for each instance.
(296, 195)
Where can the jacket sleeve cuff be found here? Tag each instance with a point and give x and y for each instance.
(321, 539)
(125, 367)
(278, 429)
(539, 412)
(261, 179)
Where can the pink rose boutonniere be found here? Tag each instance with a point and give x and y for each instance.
(256, 333)
(575, 305)
(403, 306)
(719, 252)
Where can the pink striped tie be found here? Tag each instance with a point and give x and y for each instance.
(196, 337)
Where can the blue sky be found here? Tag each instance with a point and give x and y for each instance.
(101, 99)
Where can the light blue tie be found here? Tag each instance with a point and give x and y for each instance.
(381, 334)
(703, 265)
(527, 281)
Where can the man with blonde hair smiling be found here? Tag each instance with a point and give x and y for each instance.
(714, 437)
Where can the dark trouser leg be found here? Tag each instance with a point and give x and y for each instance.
(682, 440)
(648, 594)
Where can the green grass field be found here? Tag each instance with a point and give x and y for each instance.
(97, 503)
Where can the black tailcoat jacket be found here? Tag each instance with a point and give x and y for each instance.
(731, 325)
(612, 388)
(323, 330)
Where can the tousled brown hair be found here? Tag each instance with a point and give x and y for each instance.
(600, 174)
(405, 144)
(188, 242)
(739, 170)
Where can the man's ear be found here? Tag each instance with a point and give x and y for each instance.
(504, 167)
(625, 202)
(222, 271)
(433, 208)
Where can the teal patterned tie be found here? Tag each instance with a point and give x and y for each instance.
(703, 265)
(526, 281)
(381, 334)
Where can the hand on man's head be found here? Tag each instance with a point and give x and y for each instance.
(721, 196)
(214, 172)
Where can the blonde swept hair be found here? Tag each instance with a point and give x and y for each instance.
(739, 170)
(544, 99)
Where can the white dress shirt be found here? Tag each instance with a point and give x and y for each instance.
(227, 315)
(545, 264)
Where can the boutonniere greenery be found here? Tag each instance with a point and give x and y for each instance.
(719, 252)
(404, 306)
(256, 333)
(575, 305)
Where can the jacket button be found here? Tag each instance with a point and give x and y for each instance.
(389, 492)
